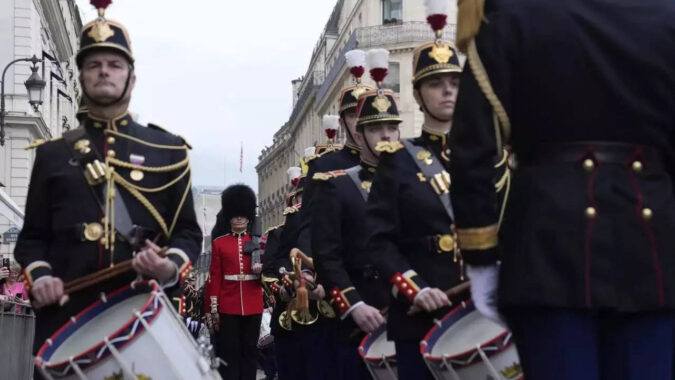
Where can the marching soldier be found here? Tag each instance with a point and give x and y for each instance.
(338, 232)
(583, 91)
(234, 298)
(280, 285)
(335, 159)
(106, 192)
(410, 216)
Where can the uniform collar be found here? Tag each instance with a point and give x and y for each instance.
(433, 137)
(352, 149)
(115, 123)
(240, 234)
(369, 168)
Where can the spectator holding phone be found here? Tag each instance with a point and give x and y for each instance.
(12, 290)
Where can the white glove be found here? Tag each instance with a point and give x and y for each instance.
(484, 282)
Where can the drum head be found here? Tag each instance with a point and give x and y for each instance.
(82, 338)
(375, 344)
(459, 332)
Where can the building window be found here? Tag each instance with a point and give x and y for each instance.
(392, 12)
(393, 80)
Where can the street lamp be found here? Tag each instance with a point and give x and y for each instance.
(35, 85)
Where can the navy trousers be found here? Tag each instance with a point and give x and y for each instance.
(563, 344)
(350, 363)
(409, 361)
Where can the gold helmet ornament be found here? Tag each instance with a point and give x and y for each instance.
(103, 34)
(349, 96)
(439, 56)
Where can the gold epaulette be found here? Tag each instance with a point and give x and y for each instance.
(469, 18)
(328, 175)
(37, 142)
(157, 127)
(388, 146)
(291, 210)
(267, 231)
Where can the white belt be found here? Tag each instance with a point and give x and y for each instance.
(240, 277)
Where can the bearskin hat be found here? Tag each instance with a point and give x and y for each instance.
(238, 200)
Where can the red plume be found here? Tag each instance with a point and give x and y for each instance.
(378, 74)
(100, 4)
(295, 182)
(330, 133)
(357, 71)
(437, 21)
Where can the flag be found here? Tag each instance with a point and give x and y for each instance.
(241, 158)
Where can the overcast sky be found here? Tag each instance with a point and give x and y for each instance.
(218, 72)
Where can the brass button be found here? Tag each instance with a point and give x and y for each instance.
(111, 140)
(404, 285)
(647, 213)
(446, 243)
(410, 292)
(111, 153)
(637, 166)
(124, 122)
(591, 212)
(588, 165)
(97, 124)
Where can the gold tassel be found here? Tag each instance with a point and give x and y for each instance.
(469, 18)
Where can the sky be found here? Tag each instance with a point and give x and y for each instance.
(218, 73)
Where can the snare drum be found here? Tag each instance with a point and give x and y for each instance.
(132, 333)
(467, 346)
(379, 355)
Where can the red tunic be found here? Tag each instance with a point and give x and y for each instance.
(239, 291)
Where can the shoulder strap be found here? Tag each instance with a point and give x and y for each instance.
(437, 177)
(85, 154)
(353, 174)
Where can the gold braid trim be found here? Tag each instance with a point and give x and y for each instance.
(483, 80)
(152, 145)
(180, 205)
(146, 203)
(151, 169)
(478, 238)
(155, 189)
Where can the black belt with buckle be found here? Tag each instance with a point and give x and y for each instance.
(435, 243)
(93, 231)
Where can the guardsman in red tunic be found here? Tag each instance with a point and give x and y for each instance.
(234, 296)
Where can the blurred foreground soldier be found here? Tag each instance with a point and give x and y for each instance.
(409, 211)
(583, 91)
(233, 296)
(338, 233)
(109, 166)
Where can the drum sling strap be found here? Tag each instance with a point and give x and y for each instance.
(353, 174)
(434, 172)
(93, 169)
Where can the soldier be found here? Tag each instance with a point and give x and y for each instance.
(357, 291)
(335, 159)
(285, 347)
(233, 296)
(110, 166)
(583, 91)
(409, 213)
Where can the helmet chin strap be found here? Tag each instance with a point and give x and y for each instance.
(428, 112)
(119, 99)
(368, 144)
(350, 137)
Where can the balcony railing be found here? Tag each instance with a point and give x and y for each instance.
(407, 32)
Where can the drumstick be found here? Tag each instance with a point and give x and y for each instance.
(101, 275)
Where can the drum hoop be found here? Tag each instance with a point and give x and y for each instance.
(468, 357)
(362, 351)
(153, 304)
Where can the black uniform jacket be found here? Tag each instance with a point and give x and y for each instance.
(60, 201)
(344, 158)
(405, 215)
(589, 88)
(343, 265)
